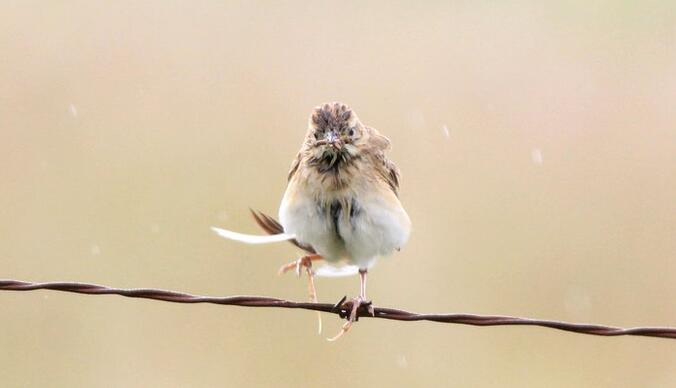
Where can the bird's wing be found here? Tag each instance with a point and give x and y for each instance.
(392, 176)
(385, 167)
(252, 238)
(387, 171)
(294, 166)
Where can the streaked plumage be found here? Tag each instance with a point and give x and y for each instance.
(341, 203)
(344, 203)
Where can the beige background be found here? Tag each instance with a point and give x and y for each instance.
(128, 128)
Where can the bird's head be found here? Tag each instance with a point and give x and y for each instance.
(334, 135)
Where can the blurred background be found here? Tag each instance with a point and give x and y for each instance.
(537, 144)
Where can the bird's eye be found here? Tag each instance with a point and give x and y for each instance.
(351, 133)
(318, 135)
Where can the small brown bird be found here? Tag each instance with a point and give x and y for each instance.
(341, 204)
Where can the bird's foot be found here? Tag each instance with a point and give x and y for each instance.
(298, 265)
(353, 306)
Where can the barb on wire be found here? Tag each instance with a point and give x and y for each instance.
(340, 308)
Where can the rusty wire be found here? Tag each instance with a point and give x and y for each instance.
(341, 308)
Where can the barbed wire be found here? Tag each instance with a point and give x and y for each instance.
(342, 308)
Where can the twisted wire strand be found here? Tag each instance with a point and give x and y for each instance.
(341, 308)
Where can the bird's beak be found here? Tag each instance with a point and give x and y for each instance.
(333, 139)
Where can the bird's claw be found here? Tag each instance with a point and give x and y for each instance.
(297, 265)
(353, 306)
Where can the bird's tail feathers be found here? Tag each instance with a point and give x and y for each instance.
(252, 238)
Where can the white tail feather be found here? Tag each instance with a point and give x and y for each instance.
(252, 238)
(329, 271)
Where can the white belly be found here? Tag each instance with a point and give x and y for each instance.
(376, 226)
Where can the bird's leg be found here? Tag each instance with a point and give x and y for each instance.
(306, 262)
(354, 305)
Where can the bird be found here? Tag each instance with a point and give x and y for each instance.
(341, 205)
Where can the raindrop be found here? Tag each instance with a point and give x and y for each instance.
(536, 155)
(402, 362)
